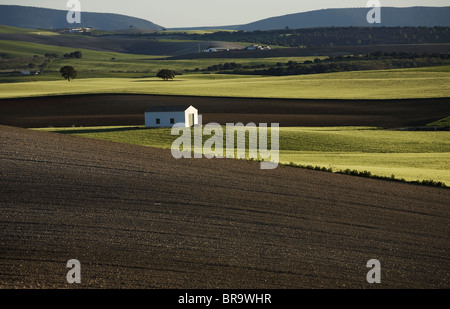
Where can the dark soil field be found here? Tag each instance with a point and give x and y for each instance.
(322, 51)
(137, 218)
(120, 44)
(190, 50)
(102, 110)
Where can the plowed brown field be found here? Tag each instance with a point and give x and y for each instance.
(104, 110)
(137, 218)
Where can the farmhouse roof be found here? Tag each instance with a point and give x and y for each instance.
(176, 108)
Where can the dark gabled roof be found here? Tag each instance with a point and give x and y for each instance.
(176, 108)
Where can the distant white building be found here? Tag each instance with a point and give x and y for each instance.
(215, 50)
(167, 116)
(254, 47)
(257, 47)
(26, 72)
(81, 30)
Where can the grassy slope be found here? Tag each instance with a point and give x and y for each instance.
(445, 122)
(98, 72)
(388, 84)
(26, 49)
(409, 155)
(95, 64)
(9, 29)
(103, 62)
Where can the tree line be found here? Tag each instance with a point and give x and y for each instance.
(370, 61)
(331, 36)
(75, 54)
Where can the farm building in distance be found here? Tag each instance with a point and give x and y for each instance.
(215, 50)
(257, 47)
(81, 30)
(167, 116)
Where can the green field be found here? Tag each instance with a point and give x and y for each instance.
(109, 72)
(445, 122)
(9, 29)
(15, 55)
(413, 156)
(408, 155)
(387, 84)
(13, 49)
(99, 64)
(103, 63)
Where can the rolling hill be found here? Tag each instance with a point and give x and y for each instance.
(41, 18)
(390, 17)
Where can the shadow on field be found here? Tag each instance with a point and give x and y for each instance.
(100, 130)
(107, 110)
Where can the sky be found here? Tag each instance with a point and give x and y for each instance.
(197, 13)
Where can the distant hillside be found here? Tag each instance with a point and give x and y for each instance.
(390, 17)
(40, 18)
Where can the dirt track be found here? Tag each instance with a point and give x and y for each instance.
(97, 110)
(137, 218)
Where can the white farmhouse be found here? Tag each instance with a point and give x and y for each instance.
(167, 116)
(254, 47)
(215, 50)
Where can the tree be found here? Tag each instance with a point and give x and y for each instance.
(166, 74)
(68, 72)
(76, 54)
